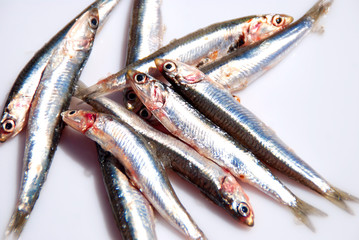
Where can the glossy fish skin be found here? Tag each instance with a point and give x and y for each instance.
(220, 39)
(219, 106)
(185, 122)
(138, 223)
(17, 105)
(146, 30)
(136, 157)
(240, 68)
(215, 183)
(145, 37)
(133, 213)
(45, 126)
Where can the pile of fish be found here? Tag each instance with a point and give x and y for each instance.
(179, 114)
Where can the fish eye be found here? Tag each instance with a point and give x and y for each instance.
(243, 209)
(8, 125)
(169, 67)
(277, 20)
(140, 78)
(72, 112)
(93, 22)
(131, 95)
(145, 114)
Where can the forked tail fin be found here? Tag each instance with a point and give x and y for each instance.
(319, 9)
(16, 224)
(338, 197)
(302, 209)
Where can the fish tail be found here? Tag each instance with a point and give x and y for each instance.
(105, 86)
(319, 9)
(80, 92)
(302, 209)
(338, 197)
(80, 88)
(16, 224)
(90, 92)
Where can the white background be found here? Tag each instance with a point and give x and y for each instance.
(310, 99)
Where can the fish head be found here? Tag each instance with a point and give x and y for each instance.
(131, 100)
(259, 28)
(151, 91)
(145, 114)
(237, 201)
(14, 117)
(178, 73)
(79, 120)
(82, 33)
(104, 7)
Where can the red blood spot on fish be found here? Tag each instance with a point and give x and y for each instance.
(103, 80)
(213, 55)
(90, 116)
(90, 120)
(237, 98)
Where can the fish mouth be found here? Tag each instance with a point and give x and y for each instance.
(159, 63)
(131, 73)
(289, 19)
(248, 221)
(3, 138)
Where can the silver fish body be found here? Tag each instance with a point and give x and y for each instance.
(146, 30)
(214, 182)
(219, 106)
(197, 48)
(133, 213)
(145, 37)
(185, 122)
(17, 105)
(240, 68)
(136, 157)
(51, 98)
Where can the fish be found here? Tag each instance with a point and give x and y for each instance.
(133, 221)
(216, 103)
(132, 211)
(146, 30)
(198, 48)
(215, 183)
(144, 37)
(136, 157)
(240, 68)
(45, 126)
(186, 123)
(16, 108)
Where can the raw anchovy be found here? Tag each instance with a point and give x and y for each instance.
(14, 115)
(51, 98)
(136, 156)
(219, 39)
(138, 222)
(145, 37)
(185, 122)
(240, 68)
(219, 106)
(133, 213)
(217, 184)
(146, 30)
